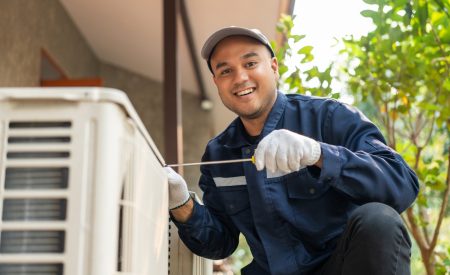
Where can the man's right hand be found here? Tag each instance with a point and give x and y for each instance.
(178, 191)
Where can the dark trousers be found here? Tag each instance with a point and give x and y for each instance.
(375, 242)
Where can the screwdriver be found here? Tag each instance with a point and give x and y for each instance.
(252, 159)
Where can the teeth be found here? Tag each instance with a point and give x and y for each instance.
(245, 92)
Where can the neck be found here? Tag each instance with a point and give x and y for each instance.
(253, 126)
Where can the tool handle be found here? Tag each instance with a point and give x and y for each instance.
(252, 159)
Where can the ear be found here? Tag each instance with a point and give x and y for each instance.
(274, 66)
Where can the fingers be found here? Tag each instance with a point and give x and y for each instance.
(294, 158)
(260, 155)
(265, 154)
(311, 151)
(280, 150)
(178, 191)
(282, 158)
(172, 176)
(271, 155)
(169, 170)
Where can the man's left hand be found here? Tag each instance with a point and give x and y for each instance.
(286, 151)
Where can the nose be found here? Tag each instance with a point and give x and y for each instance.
(241, 76)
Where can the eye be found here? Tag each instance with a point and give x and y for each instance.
(225, 71)
(251, 64)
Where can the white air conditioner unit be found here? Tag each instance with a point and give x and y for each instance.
(82, 189)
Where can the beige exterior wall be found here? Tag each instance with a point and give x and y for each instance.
(27, 26)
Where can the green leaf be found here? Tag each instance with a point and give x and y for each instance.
(395, 34)
(297, 38)
(422, 199)
(288, 22)
(311, 73)
(396, 17)
(307, 58)
(402, 109)
(280, 27)
(429, 106)
(439, 269)
(444, 35)
(437, 18)
(372, 14)
(422, 14)
(282, 70)
(400, 3)
(373, 2)
(306, 50)
(335, 95)
(446, 84)
(442, 6)
(427, 159)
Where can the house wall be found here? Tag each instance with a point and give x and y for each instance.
(27, 26)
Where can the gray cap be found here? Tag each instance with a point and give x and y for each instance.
(216, 37)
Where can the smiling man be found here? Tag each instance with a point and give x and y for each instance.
(246, 77)
(325, 193)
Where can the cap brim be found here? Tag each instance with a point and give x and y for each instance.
(216, 37)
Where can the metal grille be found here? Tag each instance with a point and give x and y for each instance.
(29, 144)
(31, 269)
(34, 209)
(37, 155)
(39, 124)
(27, 140)
(37, 178)
(32, 242)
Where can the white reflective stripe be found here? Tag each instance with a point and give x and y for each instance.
(233, 181)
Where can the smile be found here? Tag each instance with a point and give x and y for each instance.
(245, 92)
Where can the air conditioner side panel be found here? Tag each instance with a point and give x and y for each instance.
(150, 238)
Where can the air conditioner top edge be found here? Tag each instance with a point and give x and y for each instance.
(77, 94)
(63, 93)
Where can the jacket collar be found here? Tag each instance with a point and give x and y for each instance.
(234, 136)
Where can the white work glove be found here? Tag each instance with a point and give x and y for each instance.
(178, 191)
(286, 151)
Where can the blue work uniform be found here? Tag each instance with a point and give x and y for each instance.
(292, 221)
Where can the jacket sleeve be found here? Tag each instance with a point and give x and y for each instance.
(209, 232)
(358, 163)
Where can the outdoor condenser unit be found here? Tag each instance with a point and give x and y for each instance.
(82, 188)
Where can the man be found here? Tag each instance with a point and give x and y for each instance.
(324, 194)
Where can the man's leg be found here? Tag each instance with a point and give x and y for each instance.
(375, 242)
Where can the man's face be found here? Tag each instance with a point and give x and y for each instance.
(245, 75)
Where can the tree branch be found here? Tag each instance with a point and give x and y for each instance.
(394, 118)
(388, 123)
(433, 119)
(441, 48)
(415, 230)
(443, 208)
(425, 218)
(406, 221)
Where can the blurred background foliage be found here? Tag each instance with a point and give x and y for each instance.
(398, 75)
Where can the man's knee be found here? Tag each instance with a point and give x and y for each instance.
(377, 220)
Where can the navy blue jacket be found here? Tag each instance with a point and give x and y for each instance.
(292, 221)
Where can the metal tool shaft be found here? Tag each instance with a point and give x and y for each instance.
(210, 162)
